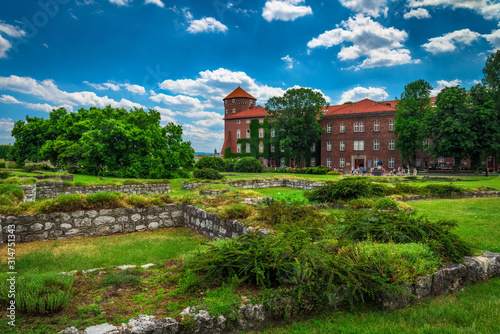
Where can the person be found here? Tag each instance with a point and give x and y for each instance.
(414, 172)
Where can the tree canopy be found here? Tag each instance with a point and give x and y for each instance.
(295, 119)
(108, 141)
(410, 111)
(491, 71)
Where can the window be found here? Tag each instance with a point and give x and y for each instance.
(247, 148)
(376, 126)
(238, 122)
(391, 125)
(328, 145)
(359, 145)
(234, 110)
(238, 148)
(329, 162)
(238, 134)
(392, 144)
(376, 145)
(418, 163)
(233, 101)
(225, 101)
(261, 120)
(313, 148)
(342, 162)
(440, 160)
(359, 127)
(391, 162)
(342, 127)
(328, 128)
(313, 162)
(248, 121)
(282, 161)
(375, 161)
(261, 133)
(273, 133)
(272, 148)
(248, 133)
(261, 147)
(342, 145)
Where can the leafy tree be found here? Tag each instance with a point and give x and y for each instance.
(295, 119)
(449, 126)
(249, 165)
(410, 111)
(491, 71)
(4, 151)
(216, 163)
(30, 135)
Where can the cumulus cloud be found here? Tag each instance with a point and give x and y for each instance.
(285, 10)
(441, 84)
(494, 38)
(380, 45)
(47, 90)
(419, 13)
(179, 101)
(489, 9)
(11, 30)
(368, 7)
(288, 60)
(206, 24)
(450, 41)
(155, 2)
(5, 45)
(136, 89)
(360, 93)
(120, 2)
(8, 99)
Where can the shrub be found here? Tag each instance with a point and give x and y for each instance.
(401, 188)
(31, 168)
(386, 204)
(10, 194)
(230, 165)
(236, 211)
(344, 190)
(211, 162)
(291, 199)
(403, 227)
(361, 203)
(39, 293)
(443, 190)
(249, 165)
(128, 277)
(4, 175)
(207, 174)
(334, 173)
(2, 164)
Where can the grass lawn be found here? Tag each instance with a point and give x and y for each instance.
(478, 218)
(87, 253)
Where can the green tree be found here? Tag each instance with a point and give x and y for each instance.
(30, 136)
(295, 119)
(491, 71)
(410, 112)
(449, 126)
(4, 151)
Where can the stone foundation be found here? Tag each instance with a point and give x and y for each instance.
(259, 184)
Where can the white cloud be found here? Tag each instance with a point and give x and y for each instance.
(6, 126)
(116, 87)
(47, 90)
(155, 2)
(489, 9)
(120, 2)
(203, 139)
(419, 13)
(45, 44)
(11, 30)
(494, 38)
(8, 99)
(285, 10)
(382, 46)
(360, 93)
(368, 7)
(206, 24)
(179, 101)
(441, 84)
(5, 45)
(450, 41)
(136, 89)
(289, 61)
(474, 82)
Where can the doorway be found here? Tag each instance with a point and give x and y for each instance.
(359, 163)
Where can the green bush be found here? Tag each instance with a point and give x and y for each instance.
(230, 165)
(10, 194)
(5, 175)
(444, 190)
(403, 227)
(361, 203)
(39, 293)
(408, 189)
(31, 168)
(291, 199)
(2, 164)
(207, 174)
(211, 162)
(342, 190)
(334, 172)
(386, 204)
(249, 165)
(236, 211)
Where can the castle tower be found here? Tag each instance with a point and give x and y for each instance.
(238, 101)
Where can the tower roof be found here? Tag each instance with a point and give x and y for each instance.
(239, 92)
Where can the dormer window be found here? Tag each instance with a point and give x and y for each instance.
(234, 110)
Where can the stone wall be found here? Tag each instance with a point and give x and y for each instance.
(461, 195)
(52, 189)
(29, 192)
(259, 184)
(92, 223)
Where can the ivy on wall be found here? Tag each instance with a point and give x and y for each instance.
(254, 140)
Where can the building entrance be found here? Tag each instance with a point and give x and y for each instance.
(359, 163)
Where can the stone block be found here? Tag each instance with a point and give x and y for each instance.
(82, 222)
(153, 226)
(104, 220)
(423, 287)
(494, 267)
(103, 230)
(92, 213)
(123, 219)
(102, 329)
(140, 227)
(66, 226)
(136, 217)
(49, 225)
(478, 269)
(72, 232)
(399, 299)
(449, 278)
(37, 227)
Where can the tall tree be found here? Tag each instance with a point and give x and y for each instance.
(491, 71)
(30, 135)
(449, 126)
(295, 119)
(410, 112)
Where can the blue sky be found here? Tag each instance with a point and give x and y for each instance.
(182, 57)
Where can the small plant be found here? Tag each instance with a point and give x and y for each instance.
(291, 199)
(236, 211)
(443, 190)
(386, 204)
(334, 173)
(2, 164)
(222, 301)
(39, 293)
(207, 174)
(361, 203)
(130, 277)
(10, 194)
(4, 175)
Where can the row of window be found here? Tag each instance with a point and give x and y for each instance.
(342, 162)
(359, 126)
(359, 145)
(233, 101)
(247, 148)
(261, 133)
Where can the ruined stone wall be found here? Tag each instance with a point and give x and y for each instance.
(259, 184)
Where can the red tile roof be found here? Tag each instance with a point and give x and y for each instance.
(258, 111)
(362, 107)
(239, 92)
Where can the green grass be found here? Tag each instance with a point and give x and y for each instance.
(474, 310)
(87, 253)
(478, 218)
